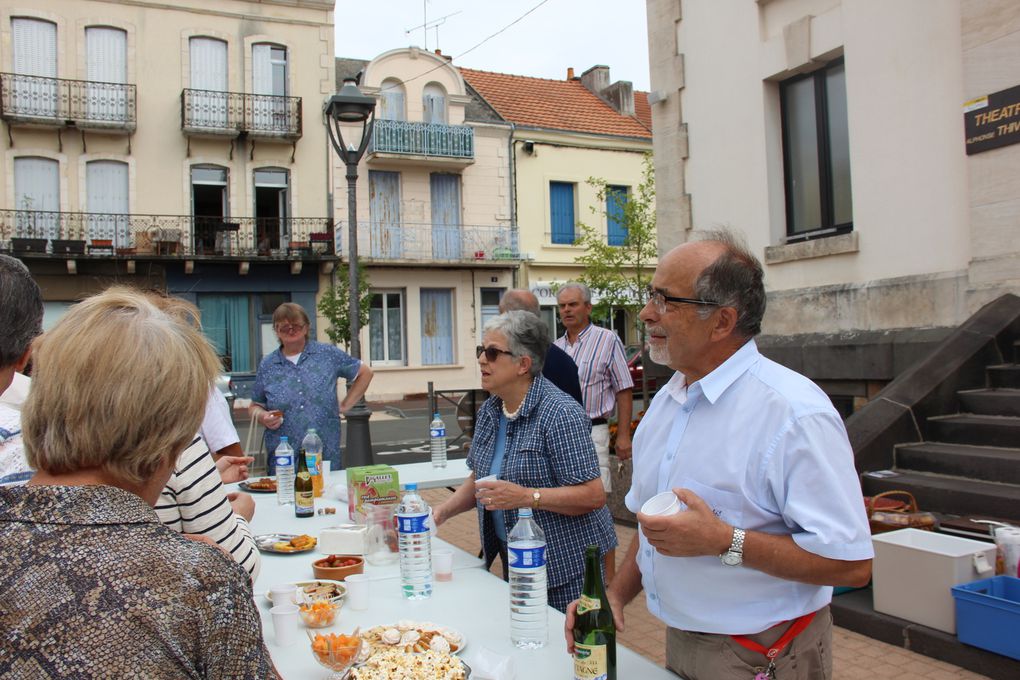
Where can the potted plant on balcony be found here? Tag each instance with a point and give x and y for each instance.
(27, 224)
(322, 242)
(74, 244)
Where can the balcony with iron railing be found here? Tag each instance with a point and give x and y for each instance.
(86, 104)
(185, 236)
(397, 139)
(413, 243)
(207, 112)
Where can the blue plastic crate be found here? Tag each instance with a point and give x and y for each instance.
(988, 614)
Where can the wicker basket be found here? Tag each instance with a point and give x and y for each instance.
(891, 510)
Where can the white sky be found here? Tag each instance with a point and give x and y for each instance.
(558, 34)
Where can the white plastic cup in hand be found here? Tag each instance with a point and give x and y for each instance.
(285, 619)
(285, 593)
(357, 591)
(665, 503)
(442, 563)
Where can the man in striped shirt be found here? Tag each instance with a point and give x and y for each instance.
(606, 385)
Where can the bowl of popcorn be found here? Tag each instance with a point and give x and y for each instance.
(318, 613)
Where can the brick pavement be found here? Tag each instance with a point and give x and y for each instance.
(855, 656)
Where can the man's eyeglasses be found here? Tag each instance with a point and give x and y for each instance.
(290, 327)
(491, 353)
(659, 299)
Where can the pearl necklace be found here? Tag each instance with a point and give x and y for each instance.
(511, 415)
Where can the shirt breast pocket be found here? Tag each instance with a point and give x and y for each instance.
(726, 505)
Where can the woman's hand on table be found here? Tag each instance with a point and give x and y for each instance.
(234, 468)
(498, 494)
(242, 504)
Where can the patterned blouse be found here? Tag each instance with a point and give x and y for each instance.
(306, 393)
(93, 586)
(547, 445)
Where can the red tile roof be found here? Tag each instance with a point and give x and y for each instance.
(555, 104)
(642, 110)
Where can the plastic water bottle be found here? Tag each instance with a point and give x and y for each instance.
(415, 545)
(528, 596)
(283, 457)
(437, 441)
(313, 456)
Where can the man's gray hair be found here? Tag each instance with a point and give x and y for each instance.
(21, 310)
(519, 298)
(526, 336)
(574, 285)
(735, 279)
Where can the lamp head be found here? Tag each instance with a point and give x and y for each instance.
(350, 105)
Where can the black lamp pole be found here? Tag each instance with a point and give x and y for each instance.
(351, 106)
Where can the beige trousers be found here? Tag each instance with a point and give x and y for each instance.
(600, 438)
(706, 656)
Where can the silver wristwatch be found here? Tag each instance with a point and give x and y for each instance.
(735, 555)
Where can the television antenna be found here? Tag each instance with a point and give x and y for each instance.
(435, 23)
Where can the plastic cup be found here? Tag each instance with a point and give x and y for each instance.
(442, 563)
(324, 471)
(284, 593)
(357, 591)
(285, 618)
(665, 503)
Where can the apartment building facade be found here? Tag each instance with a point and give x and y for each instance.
(179, 147)
(436, 232)
(566, 132)
(837, 136)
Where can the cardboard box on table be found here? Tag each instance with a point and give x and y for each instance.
(371, 484)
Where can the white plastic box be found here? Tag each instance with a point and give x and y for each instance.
(914, 571)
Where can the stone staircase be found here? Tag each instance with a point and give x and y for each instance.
(969, 461)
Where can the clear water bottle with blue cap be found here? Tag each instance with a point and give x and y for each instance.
(415, 545)
(528, 594)
(437, 441)
(283, 458)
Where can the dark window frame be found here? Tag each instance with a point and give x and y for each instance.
(825, 181)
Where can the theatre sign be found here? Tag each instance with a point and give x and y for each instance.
(992, 121)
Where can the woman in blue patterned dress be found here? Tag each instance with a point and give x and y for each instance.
(536, 440)
(295, 387)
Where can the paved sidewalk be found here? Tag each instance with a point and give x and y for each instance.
(855, 656)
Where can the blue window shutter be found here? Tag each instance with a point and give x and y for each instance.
(436, 326)
(561, 207)
(616, 199)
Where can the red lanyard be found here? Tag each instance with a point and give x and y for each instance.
(799, 624)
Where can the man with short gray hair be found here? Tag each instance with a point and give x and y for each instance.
(21, 313)
(559, 368)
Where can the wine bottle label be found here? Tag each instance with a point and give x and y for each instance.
(526, 558)
(590, 662)
(588, 604)
(412, 524)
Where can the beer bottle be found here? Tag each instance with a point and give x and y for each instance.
(304, 497)
(594, 629)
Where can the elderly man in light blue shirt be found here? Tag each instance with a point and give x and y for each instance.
(773, 514)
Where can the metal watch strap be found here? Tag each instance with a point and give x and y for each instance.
(735, 555)
(536, 498)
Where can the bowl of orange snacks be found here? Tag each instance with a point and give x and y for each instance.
(336, 652)
(318, 613)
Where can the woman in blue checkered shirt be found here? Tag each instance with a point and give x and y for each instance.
(535, 443)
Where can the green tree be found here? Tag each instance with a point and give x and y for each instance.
(618, 274)
(335, 306)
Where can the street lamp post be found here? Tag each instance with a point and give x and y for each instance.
(351, 106)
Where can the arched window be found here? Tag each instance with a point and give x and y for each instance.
(391, 100)
(434, 104)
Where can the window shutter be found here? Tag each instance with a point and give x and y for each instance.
(35, 47)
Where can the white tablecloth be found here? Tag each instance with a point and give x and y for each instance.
(475, 602)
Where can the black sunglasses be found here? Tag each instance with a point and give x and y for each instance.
(659, 299)
(491, 353)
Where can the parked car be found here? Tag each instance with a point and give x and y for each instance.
(225, 385)
(634, 355)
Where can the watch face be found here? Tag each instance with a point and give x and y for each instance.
(732, 559)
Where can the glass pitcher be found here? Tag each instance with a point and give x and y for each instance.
(381, 534)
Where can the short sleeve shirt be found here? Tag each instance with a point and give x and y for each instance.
(306, 393)
(601, 368)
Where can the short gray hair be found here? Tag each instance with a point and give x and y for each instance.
(526, 336)
(735, 279)
(574, 285)
(21, 310)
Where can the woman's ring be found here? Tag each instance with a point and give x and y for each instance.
(488, 501)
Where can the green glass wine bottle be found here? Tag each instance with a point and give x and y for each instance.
(304, 500)
(594, 629)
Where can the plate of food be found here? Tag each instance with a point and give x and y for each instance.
(426, 666)
(285, 543)
(414, 638)
(263, 485)
(317, 589)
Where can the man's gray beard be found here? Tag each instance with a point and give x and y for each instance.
(659, 354)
